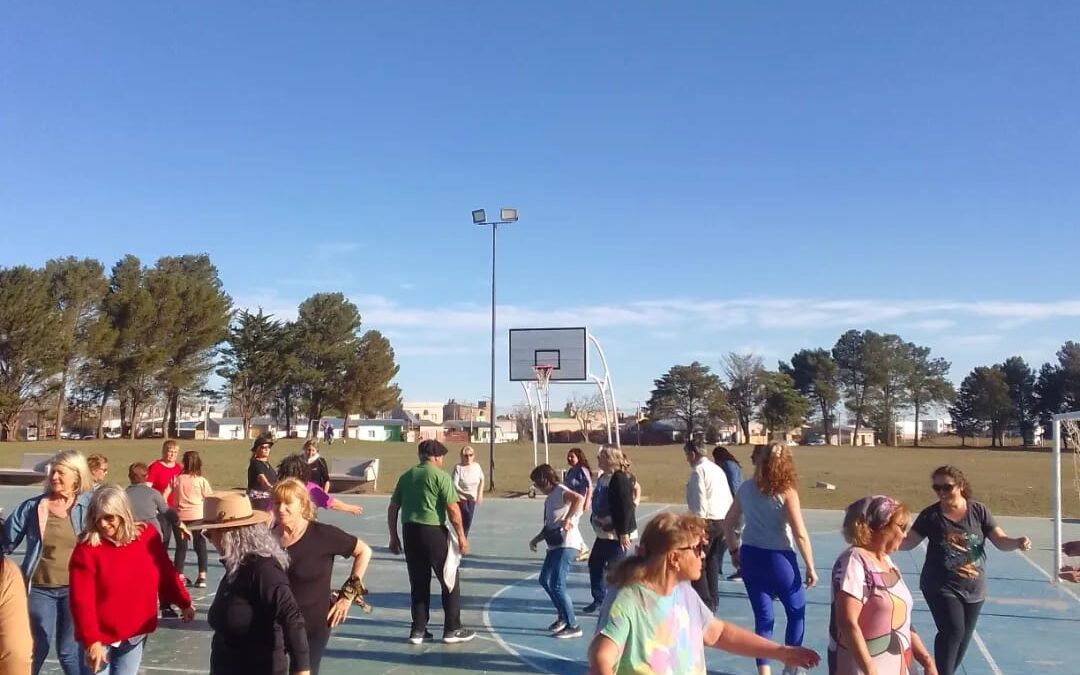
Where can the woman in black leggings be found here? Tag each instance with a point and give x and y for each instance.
(953, 579)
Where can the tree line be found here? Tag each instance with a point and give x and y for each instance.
(877, 378)
(73, 337)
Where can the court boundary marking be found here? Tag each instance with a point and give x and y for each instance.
(509, 648)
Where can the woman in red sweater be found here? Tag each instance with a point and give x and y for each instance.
(117, 570)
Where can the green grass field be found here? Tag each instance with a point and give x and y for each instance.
(1011, 481)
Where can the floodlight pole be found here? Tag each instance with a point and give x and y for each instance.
(506, 216)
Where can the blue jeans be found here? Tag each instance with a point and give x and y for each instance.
(553, 580)
(468, 510)
(605, 553)
(50, 620)
(126, 658)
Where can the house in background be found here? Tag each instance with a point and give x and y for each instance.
(376, 430)
(225, 428)
(432, 412)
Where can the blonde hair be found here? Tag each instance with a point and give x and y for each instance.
(664, 534)
(75, 462)
(291, 488)
(858, 531)
(618, 460)
(110, 500)
(96, 460)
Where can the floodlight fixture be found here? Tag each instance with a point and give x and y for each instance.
(508, 215)
(479, 217)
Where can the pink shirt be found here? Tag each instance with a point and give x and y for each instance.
(190, 493)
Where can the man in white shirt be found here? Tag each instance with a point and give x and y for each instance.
(708, 496)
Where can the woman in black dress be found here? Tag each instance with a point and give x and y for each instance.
(312, 547)
(258, 627)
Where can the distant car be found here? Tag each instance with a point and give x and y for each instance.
(88, 437)
(816, 441)
(65, 435)
(112, 434)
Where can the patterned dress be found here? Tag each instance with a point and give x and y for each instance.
(885, 618)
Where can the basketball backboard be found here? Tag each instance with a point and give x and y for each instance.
(566, 350)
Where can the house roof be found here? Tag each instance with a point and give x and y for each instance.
(376, 423)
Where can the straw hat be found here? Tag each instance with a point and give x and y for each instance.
(229, 509)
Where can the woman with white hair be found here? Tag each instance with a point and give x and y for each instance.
(614, 508)
(50, 524)
(118, 569)
(255, 617)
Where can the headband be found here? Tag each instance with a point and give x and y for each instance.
(876, 510)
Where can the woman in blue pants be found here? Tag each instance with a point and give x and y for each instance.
(767, 505)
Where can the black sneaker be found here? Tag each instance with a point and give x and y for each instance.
(459, 635)
(417, 637)
(556, 626)
(200, 582)
(591, 607)
(568, 632)
(169, 613)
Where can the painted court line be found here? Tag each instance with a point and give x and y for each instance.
(986, 653)
(531, 649)
(1053, 582)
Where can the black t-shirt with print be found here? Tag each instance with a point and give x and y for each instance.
(955, 551)
(311, 567)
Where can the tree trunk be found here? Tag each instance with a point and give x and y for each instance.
(61, 400)
(288, 412)
(124, 425)
(917, 406)
(134, 416)
(171, 408)
(826, 422)
(101, 414)
(247, 425)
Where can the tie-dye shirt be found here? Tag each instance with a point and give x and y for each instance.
(657, 634)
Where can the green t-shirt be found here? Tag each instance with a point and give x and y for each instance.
(423, 493)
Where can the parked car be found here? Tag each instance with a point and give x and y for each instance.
(112, 434)
(88, 437)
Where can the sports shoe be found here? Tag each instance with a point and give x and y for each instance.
(417, 637)
(583, 556)
(200, 582)
(556, 626)
(794, 670)
(591, 607)
(459, 635)
(568, 632)
(733, 577)
(169, 613)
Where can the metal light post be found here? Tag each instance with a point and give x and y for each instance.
(479, 217)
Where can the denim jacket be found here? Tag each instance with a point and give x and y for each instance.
(28, 521)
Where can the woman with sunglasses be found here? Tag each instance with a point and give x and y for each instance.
(656, 623)
(953, 579)
(468, 478)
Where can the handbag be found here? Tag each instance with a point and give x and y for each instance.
(554, 536)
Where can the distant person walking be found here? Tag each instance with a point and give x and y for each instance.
(50, 524)
(733, 472)
(261, 475)
(579, 479)
(768, 506)
(562, 509)
(425, 499)
(468, 477)
(328, 433)
(191, 490)
(953, 579)
(709, 497)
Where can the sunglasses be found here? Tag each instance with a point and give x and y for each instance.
(943, 487)
(698, 549)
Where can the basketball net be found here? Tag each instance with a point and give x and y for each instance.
(543, 379)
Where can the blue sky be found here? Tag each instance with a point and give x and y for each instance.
(692, 178)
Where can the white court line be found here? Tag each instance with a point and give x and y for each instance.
(531, 649)
(1053, 582)
(986, 654)
(513, 649)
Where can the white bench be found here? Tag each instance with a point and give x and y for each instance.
(350, 474)
(34, 469)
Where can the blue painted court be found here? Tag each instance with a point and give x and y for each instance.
(1027, 625)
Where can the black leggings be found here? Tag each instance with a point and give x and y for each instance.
(316, 647)
(199, 540)
(955, 621)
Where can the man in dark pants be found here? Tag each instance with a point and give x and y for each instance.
(425, 497)
(708, 496)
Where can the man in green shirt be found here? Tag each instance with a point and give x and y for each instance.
(425, 498)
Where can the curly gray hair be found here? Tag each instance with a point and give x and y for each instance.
(239, 543)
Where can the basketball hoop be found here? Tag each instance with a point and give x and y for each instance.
(543, 376)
